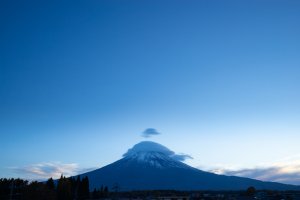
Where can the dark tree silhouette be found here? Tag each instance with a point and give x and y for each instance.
(83, 191)
(37, 190)
(251, 191)
(50, 184)
(64, 189)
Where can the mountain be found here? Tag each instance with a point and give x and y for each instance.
(151, 166)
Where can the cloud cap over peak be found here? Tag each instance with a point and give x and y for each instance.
(148, 146)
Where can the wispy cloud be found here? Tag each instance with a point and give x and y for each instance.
(46, 170)
(181, 157)
(150, 132)
(285, 171)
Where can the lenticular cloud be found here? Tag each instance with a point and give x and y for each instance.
(148, 146)
(150, 132)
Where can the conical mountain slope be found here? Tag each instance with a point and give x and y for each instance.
(151, 166)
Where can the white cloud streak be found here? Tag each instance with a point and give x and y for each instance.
(42, 171)
(285, 171)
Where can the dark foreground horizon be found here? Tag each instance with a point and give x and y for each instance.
(75, 188)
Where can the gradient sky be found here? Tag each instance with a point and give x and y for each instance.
(81, 80)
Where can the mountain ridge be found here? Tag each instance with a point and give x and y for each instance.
(151, 166)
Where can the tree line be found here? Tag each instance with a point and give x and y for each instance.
(61, 189)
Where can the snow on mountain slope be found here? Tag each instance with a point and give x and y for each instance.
(153, 154)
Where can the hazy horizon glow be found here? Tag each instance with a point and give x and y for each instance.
(216, 80)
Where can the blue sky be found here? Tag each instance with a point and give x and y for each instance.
(81, 81)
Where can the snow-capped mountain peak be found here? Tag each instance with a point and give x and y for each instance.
(153, 154)
(148, 147)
